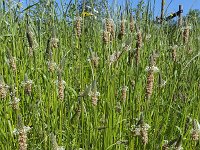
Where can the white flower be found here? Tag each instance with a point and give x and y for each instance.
(124, 88)
(89, 8)
(136, 131)
(186, 27)
(139, 128)
(92, 93)
(27, 82)
(152, 68)
(60, 148)
(114, 57)
(57, 82)
(25, 128)
(15, 131)
(15, 101)
(78, 18)
(174, 47)
(146, 126)
(93, 57)
(51, 63)
(126, 47)
(3, 85)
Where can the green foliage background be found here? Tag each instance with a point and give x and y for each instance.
(170, 111)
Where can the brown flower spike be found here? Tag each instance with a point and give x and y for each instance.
(93, 93)
(31, 40)
(124, 90)
(3, 88)
(122, 28)
(186, 34)
(195, 132)
(174, 55)
(27, 83)
(141, 129)
(149, 87)
(131, 23)
(61, 86)
(22, 132)
(78, 26)
(94, 59)
(150, 76)
(106, 36)
(12, 62)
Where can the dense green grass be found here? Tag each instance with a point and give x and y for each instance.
(76, 123)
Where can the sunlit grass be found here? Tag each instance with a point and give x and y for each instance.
(75, 88)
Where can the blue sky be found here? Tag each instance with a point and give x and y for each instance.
(173, 7)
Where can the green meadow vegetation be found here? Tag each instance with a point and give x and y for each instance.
(104, 80)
